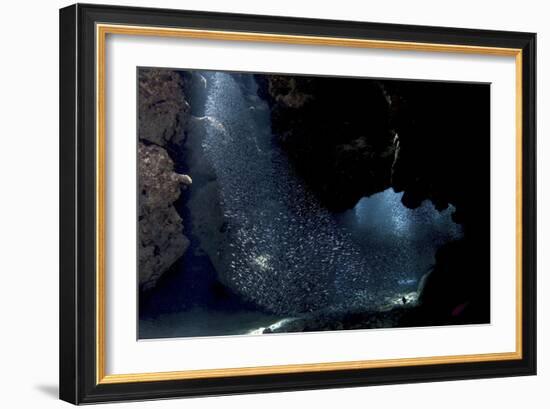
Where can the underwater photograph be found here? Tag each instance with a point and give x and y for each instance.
(286, 203)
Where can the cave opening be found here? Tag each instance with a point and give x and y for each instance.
(404, 240)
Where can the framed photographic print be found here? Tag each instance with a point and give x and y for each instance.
(258, 203)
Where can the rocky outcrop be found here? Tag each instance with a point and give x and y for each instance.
(163, 110)
(163, 114)
(351, 138)
(160, 229)
(337, 133)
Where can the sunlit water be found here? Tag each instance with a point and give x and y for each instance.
(402, 241)
(286, 254)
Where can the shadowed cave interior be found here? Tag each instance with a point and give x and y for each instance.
(284, 203)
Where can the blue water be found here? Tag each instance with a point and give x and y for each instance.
(401, 242)
(279, 252)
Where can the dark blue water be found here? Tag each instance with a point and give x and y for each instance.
(262, 246)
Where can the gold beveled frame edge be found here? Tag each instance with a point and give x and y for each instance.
(103, 29)
(297, 368)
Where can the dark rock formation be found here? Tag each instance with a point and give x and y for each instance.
(163, 110)
(351, 138)
(443, 155)
(160, 229)
(163, 114)
(336, 131)
(443, 147)
(456, 290)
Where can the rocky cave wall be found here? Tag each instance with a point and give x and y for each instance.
(163, 114)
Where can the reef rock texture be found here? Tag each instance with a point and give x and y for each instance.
(163, 113)
(160, 227)
(163, 110)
